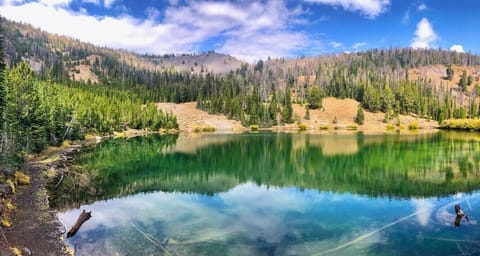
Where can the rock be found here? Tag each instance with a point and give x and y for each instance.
(5, 190)
(26, 251)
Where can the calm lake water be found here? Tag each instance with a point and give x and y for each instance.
(276, 194)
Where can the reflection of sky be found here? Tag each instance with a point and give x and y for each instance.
(251, 218)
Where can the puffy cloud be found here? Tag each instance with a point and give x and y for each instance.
(109, 3)
(95, 2)
(425, 36)
(247, 30)
(457, 48)
(335, 44)
(370, 8)
(359, 45)
(422, 7)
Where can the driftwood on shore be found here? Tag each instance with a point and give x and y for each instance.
(84, 216)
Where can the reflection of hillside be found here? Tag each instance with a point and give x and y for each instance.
(432, 165)
(190, 143)
(336, 144)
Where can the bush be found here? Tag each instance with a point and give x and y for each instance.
(22, 178)
(302, 127)
(413, 126)
(323, 127)
(204, 129)
(390, 127)
(461, 124)
(254, 127)
(352, 127)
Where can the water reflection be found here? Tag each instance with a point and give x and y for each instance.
(383, 165)
(276, 194)
(256, 220)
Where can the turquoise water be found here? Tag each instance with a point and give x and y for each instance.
(276, 194)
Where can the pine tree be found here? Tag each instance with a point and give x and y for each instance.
(287, 111)
(360, 117)
(450, 73)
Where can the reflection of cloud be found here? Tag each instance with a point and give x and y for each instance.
(424, 209)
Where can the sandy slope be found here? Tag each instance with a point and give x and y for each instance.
(345, 110)
(188, 117)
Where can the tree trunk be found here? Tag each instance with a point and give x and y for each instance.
(84, 216)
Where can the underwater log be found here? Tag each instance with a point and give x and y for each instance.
(84, 216)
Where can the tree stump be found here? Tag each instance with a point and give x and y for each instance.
(84, 216)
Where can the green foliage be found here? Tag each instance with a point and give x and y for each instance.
(360, 117)
(254, 127)
(287, 110)
(37, 113)
(463, 81)
(314, 97)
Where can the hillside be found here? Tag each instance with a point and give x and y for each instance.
(386, 82)
(344, 110)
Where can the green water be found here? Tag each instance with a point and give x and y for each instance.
(276, 194)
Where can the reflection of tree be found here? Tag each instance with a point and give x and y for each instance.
(392, 166)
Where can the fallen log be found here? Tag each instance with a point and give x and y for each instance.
(84, 216)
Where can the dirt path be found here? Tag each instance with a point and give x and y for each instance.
(36, 229)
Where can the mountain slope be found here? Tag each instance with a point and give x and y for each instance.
(391, 81)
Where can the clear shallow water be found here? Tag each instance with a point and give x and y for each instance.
(277, 194)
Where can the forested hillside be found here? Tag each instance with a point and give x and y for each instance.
(40, 109)
(260, 93)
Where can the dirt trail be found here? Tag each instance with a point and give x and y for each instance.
(36, 229)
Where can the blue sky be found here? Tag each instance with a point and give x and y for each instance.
(253, 30)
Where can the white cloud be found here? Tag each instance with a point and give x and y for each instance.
(359, 45)
(406, 17)
(425, 36)
(457, 48)
(248, 30)
(370, 8)
(335, 44)
(109, 3)
(55, 3)
(422, 7)
(173, 2)
(95, 2)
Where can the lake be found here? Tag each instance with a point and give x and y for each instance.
(276, 194)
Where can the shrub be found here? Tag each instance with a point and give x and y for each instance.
(22, 178)
(352, 127)
(413, 126)
(254, 127)
(390, 127)
(302, 127)
(323, 127)
(461, 124)
(207, 128)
